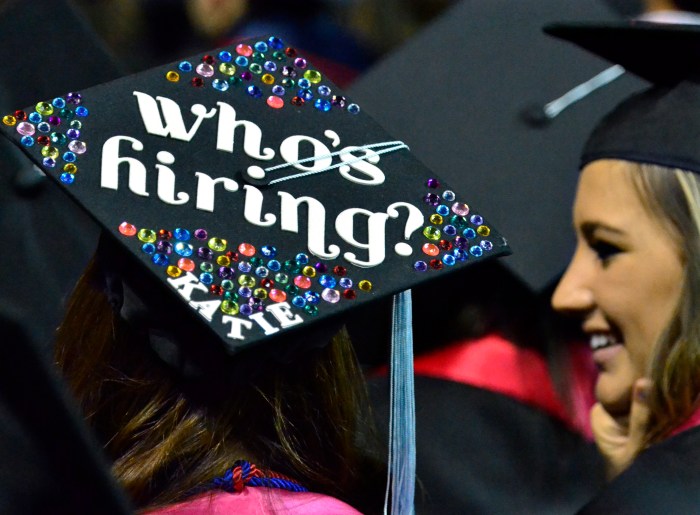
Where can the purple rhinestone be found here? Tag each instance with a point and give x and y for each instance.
(321, 267)
(73, 133)
(460, 242)
(300, 62)
(433, 183)
(74, 98)
(244, 291)
(476, 219)
(54, 120)
(165, 247)
(225, 272)
(278, 90)
(486, 245)
(200, 234)
(338, 100)
(246, 75)
(270, 66)
(205, 253)
(432, 199)
(246, 309)
(288, 71)
(420, 266)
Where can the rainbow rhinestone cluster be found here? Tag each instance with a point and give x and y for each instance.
(56, 127)
(267, 69)
(453, 231)
(246, 278)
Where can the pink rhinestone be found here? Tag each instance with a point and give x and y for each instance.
(246, 249)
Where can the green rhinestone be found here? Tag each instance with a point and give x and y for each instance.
(260, 293)
(258, 57)
(227, 284)
(246, 280)
(44, 108)
(68, 114)
(227, 69)
(281, 278)
(229, 307)
(255, 68)
(230, 295)
(432, 233)
(279, 55)
(51, 152)
(311, 309)
(217, 244)
(147, 235)
(207, 266)
(288, 83)
(58, 138)
(313, 76)
(75, 124)
(234, 81)
(291, 288)
(256, 261)
(291, 266)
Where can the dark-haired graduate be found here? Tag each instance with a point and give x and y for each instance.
(248, 208)
(634, 278)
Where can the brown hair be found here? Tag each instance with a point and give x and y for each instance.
(309, 420)
(673, 197)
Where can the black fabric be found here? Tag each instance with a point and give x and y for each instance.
(49, 462)
(664, 479)
(480, 452)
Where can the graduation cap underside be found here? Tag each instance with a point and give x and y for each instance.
(252, 189)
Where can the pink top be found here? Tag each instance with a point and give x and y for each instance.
(259, 501)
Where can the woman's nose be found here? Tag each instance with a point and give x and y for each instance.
(573, 293)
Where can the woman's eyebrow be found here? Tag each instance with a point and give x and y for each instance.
(588, 229)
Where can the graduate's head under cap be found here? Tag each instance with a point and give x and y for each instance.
(660, 125)
(246, 188)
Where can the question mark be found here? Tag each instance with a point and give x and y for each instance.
(415, 221)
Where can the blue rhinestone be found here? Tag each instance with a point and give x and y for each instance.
(304, 83)
(486, 245)
(469, 233)
(476, 251)
(322, 104)
(345, 282)
(69, 157)
(49, 162)
(306, 94)
(27, 141)
(476, 219)
(244, 291)
(183, 249)
(312, 297)
(448, 259)
(254, 91)
(35, 117)
(449, 230)
(442, 210)
(278, 90)
(420, 266)
(246, 310)
(299, 301)
(81, 111)
(301, 258)
(460, 254)
(59, 102)
(220, 84)
(43, 127)
(242, 61)
(274, 265)
(327, 281)
(449, 195)
(270, 66)
(244, 267)
(225, 56)
(261, 46)
(185, 66)
(324, 90)
(261, 271)
(160, 259)
(73, 133)
(181, 234)
(275, 43)
(353, 108)
(148, 248)
(268, 251)
(67, 178)
(206, 278)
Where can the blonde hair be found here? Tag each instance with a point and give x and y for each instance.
(673, 197)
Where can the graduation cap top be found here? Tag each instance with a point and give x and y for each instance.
(660, 125)
(252, 189)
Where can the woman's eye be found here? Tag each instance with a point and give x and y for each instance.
(604, 250)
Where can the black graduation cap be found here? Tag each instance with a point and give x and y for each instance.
(457, 93)
(659, 125)
(252, 189)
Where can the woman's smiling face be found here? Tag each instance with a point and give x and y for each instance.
(624, 280)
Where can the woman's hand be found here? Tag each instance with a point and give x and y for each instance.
(619, 440)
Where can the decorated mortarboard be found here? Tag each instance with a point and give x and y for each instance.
(660, 125)
(456, 94)
(253, 189)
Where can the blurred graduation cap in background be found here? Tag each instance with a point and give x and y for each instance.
(480, 94)
(41, 60)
